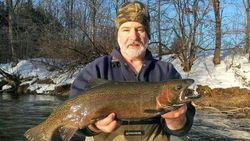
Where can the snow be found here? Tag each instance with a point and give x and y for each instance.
(234, 71)
(29, 68)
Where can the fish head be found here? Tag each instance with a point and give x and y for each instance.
(176, 92)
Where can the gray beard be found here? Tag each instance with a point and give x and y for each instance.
(136, 53)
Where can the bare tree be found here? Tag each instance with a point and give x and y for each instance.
(124, 1)
(159, 28)
(91, 22)
(188, 21)
(30, 4)
(216, 7)
(116, 3)
(69, 7)
(83, 13)
(93, 19)
(247, 28)
(10, 10)
(192, 35)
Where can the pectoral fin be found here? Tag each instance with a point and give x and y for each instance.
(158, 111)
(167, 109)
(96, 82)
(67, 133)
(151, 111)
(162, 111)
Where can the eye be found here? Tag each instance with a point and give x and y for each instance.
(141, 30)
(178, 87)
(125, 30)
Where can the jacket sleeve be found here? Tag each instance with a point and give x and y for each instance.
(81, 81)
(94, 70)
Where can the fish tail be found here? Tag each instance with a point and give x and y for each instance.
(37, 133)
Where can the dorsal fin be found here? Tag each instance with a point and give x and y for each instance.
(97, 82)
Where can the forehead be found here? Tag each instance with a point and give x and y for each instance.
(131, 25)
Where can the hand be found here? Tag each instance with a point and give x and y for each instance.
(107, 125)
(176, 119)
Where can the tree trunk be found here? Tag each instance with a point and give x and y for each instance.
(10, 30)
(159, 28)
(247, 29)
(116, 6)
(93, 17)
(12, 80)
(193, 34)
(124, 1)
(216, 6)
(69, 18)
(30, 4)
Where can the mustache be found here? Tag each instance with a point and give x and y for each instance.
(135, 43)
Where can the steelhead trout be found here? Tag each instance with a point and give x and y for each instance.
(129, 100)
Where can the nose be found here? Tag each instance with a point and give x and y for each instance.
(133, 35)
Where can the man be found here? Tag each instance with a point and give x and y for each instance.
(133, 62)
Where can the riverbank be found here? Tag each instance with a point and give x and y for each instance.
(234, 101)
(222, 114)
(46, 76)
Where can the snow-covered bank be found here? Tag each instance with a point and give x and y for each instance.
(234, 71)
(43, 79)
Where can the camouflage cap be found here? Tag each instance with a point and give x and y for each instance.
(133, 11)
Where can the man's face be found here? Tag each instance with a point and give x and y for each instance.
(132, 39)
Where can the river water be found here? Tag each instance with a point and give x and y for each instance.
(19, 114)
(217, 126)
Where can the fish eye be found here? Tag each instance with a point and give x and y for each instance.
(178, 87)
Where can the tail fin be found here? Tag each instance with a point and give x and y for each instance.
(37, 133)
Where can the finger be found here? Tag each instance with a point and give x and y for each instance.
(112, 126)
(106, 121)
(176, 113)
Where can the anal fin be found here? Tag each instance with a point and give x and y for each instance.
(67, 133)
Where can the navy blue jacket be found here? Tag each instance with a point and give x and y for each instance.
(113, 67)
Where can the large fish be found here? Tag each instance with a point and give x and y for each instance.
(129, 100)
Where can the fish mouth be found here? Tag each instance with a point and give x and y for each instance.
(188, 95)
